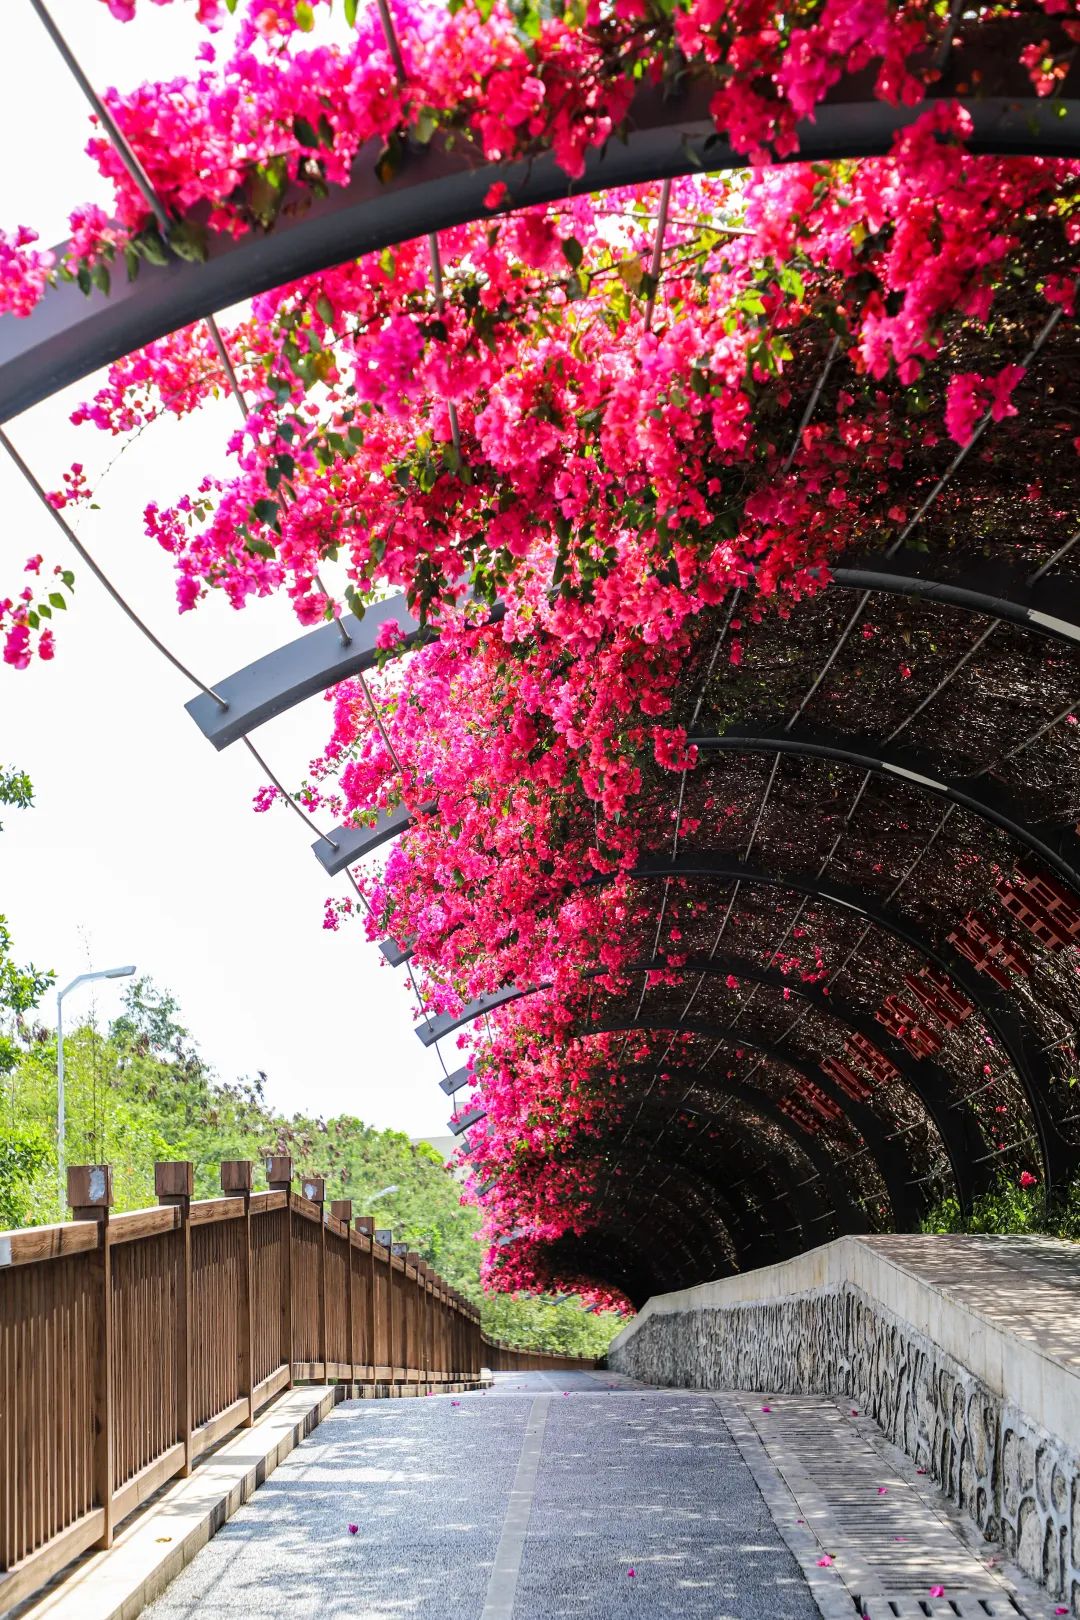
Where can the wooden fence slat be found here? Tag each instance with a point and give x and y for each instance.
(130, 1344)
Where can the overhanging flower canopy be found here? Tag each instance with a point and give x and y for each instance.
(788, 874)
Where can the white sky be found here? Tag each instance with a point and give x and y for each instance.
(143, 846)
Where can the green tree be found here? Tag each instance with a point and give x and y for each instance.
(141, 1091)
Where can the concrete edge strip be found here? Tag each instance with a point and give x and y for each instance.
(502, 1585)
(827, 1588)
(152, 1548)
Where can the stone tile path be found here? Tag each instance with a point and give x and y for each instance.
(838, 1489)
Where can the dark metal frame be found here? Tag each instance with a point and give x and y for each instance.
(849, 1216)
(1059, 1157)
(896, 1169)
(1059, 848)
(444, 183)
(1046, 607)
(965, 1145)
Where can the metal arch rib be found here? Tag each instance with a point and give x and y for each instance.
(806, 1205)
(1050, 607)
(961, 1136)
(70, 334)
(297, 670)
(1058, 1157)
(320, 658)
(1059, 848)
(895, 1168)
(433, 1029)
(850, 1217)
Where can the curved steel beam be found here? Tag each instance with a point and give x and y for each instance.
(1058, 848)
(891, 1160)
(442, 184)
(965, 1145)
(739, 1211)
(805, 1203)
(297, 670)
(962, 1138)
(1049, 607)
(850, 1218)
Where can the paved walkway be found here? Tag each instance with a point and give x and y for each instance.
(624, 1478)
(536, 1500)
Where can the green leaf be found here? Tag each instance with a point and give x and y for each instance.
(350, 13)
(305, 16)
(99, 275)
(260, 548)
(57, 600)
(267, 512)
(573, 252)
(149, 245)
(425, 126)
(325, 309)
(189, 241)
(305, 132)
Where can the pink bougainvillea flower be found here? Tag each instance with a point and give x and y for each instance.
(766, 1408)
(937, 1591)
(1027, 1179)
(353, 1528)
(825, 1561)
(883, 1490)
(631, 1572)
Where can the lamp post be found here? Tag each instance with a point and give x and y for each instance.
(83, 978)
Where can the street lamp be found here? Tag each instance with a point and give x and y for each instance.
(84, 978)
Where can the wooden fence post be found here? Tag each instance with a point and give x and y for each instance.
(385, 1238)
(413, 1260)
(174, 1184)
(236, 1183)
(90, 1195)
(341, 1210)
(314, 1190)
(366, 1225)
(279, 1179)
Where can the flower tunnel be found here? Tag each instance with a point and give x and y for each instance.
(664, 422)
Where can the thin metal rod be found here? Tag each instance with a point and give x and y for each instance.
(811, 404)
(658, 252)
(102, 578)
(116, 135)
(1062, 551)
(440, 305)
(286, 795)
(377, 717)
(392, 44)
(924, 507)
(238, 395)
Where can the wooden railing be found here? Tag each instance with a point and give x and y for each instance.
(131, 1344)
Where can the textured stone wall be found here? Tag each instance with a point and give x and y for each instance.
(1016, 1481)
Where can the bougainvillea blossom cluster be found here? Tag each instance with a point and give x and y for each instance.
(569, 458)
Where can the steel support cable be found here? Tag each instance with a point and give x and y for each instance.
(138, 175)
(102, 578)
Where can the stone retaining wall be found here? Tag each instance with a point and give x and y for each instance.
(1020, 1484)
